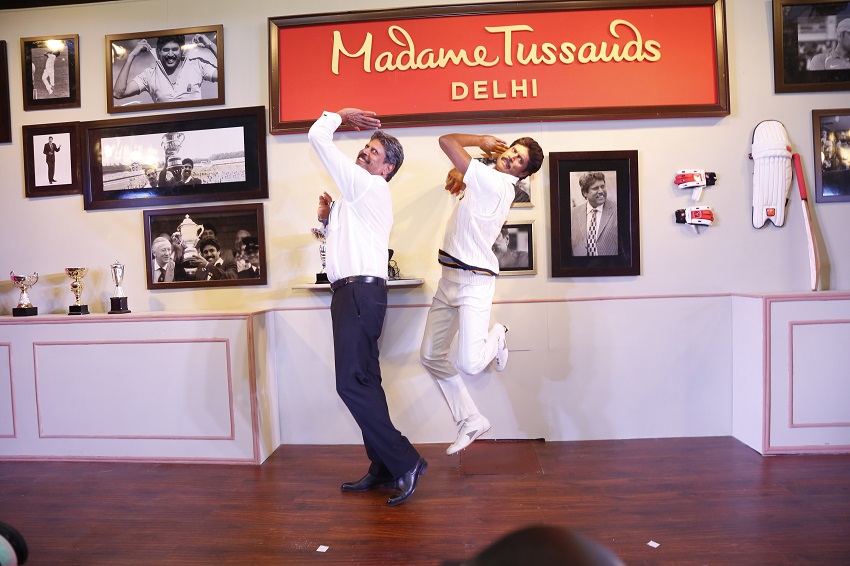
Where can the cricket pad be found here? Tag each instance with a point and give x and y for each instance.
(771, 154)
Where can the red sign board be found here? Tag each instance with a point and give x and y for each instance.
(521, 61)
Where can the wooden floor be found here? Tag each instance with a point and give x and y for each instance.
(703, 500)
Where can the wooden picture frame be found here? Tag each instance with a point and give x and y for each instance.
(227, 150)
(150, 57)
(516, 250)
(831, 133)
(5, 99)
(618, 230)
(51, 159)
(804, 34)
(50, 72)
(181, 232)
(455, 64)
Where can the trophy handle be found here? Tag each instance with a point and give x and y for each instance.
(180, 137)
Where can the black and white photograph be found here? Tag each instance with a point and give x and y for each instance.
(831, 130)
(514, 248)
(217, 246)
(50, 72)
(594, 213)
(811, 45)
(51, 159)
(192, 157)
(165, 69)
(5, 99)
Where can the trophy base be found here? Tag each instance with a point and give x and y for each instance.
(24, 311)
(78, 309)
(322, 278)
(119, 305)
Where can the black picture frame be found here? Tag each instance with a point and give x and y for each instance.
(568, 236)
(202, 47)
(516, 250)
(804, 32)
(50, 72)
(831, 139)
(5, 99)
(228, 151)
(65, 154)
(162, 224)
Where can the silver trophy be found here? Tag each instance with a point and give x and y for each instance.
(119, 299)
(171, 143)
(321, 235)
(24, 282)
(77, 274)
(187, 235)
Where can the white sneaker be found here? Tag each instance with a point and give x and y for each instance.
(469, 431)
(501, 359)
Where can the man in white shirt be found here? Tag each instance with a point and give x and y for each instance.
(358, 231)
(593, 229)
(468, 282)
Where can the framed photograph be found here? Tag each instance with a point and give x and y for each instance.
(811, 41)
(831, 132)
(5, 100)
(594, 213)
(213, 246)
(50, 68)
(515, 249)
(193, 157)
(52, 159)
(175, 68)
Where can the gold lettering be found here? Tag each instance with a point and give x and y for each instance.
(365, 51)
(508, 31)
(567, 55)
(515, 88)
(456, 93)
(479, 89)
(496, 93)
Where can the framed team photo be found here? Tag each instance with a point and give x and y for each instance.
(175, 68)
(811, 42)
(205, 247)
(831, 132)
(50, 68)
(191, 157)
(594, 213)
(51, 159)
(515, 249)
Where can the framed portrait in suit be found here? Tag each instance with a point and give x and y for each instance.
(594, 213)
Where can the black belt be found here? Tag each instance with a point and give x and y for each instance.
(340, 283)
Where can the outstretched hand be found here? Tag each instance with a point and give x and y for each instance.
(359, 119)
(324, 211)
(491, 144)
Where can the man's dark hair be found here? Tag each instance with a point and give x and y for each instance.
(588, 179)
(535, 155)
(209, 241)
(188, 161)
(163, 39)
(393, 150)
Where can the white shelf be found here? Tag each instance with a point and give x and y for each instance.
(392, 284)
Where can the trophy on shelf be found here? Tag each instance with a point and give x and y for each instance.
(77, 274)
(321, 235)
(24, 282)
(187, 235)
(119, 299)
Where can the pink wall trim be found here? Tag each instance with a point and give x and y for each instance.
(11, 391)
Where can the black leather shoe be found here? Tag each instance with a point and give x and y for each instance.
(366, 483)
(406, 484)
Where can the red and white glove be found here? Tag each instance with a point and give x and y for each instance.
(696, 216)
(695, 179)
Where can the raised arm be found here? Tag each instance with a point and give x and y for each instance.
(122, 89)
(454, 146)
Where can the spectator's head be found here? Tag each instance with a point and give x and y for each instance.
(188, 166)
(252, 250)
(152, 175)
(500, 246)
(209, 231)
(161, 250)
(842, 31)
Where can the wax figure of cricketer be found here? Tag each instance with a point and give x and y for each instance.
(465, 291)
(358, 231)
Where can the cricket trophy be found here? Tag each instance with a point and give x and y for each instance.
(77, 274)
(119, 299)
(24, 282)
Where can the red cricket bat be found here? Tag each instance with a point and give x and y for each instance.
(814, 259)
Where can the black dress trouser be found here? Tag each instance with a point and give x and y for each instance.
(357, 313)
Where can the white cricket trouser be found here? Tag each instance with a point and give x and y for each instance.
(465, 310)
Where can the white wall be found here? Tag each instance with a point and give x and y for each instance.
(48, 234)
